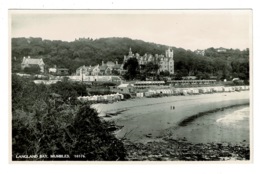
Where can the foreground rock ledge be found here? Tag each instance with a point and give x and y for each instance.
(181, 150)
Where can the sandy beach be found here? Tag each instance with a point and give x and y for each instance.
(147, 119)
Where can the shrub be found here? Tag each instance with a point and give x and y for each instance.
(44, 123)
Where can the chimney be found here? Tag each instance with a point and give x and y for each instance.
(102, 62)
(116, 62)
(29, 57)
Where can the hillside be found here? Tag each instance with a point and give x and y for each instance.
(86, 51)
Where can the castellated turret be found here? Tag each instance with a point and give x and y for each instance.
(169, 53)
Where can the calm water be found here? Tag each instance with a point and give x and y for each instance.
(235, 117)
(230, 125)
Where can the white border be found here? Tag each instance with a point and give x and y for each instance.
(133, 168)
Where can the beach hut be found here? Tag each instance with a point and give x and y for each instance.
(102, 98)
(202, 91)
(105, 97)
(195, 91)
(184, 92)
(140, 94)
(117, 96)
(209, 90)
(225, 89)
(121, 96)
(216, 89)
(152, 92)
(176, 91)
(147, 94)
(190, 91)
(237, 88)
(219, 89)
(109, 98)
(98, 98)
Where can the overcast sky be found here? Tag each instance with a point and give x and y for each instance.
(187, 29)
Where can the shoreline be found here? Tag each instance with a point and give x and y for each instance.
(141, 102)
(148, 123)
(172, 148)
(191, 118)
(153, 116)
(149, 127)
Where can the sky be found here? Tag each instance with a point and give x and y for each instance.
(188, 29)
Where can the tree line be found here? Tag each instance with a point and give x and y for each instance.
(233, 63)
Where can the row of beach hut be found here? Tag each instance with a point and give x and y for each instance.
(191, 91)
(100, 98)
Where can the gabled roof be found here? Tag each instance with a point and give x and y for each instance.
(89, 68)
(117, 66)
(96, 67)
(85, 68)
(30, 61)
(103, 67)
(110, 63)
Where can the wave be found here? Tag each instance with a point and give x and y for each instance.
(190, 119)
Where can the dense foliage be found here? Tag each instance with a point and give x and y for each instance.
(46, 121)
(35, 69)
(230, 64)
(132, 67)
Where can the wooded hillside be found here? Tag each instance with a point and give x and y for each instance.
(86, 51)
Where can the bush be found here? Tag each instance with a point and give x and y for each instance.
(127, 96)
(33, 69)
(44, 123)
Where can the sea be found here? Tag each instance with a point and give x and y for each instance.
(228, 126)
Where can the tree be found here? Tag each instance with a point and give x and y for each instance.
(80, 52)
(32, 69)
(115, 72)
(165, 73)
(94, 139)
(132, 67)
(151, 69)
(43, 123)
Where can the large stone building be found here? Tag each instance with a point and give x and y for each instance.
(29, 62)
(165, 62)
